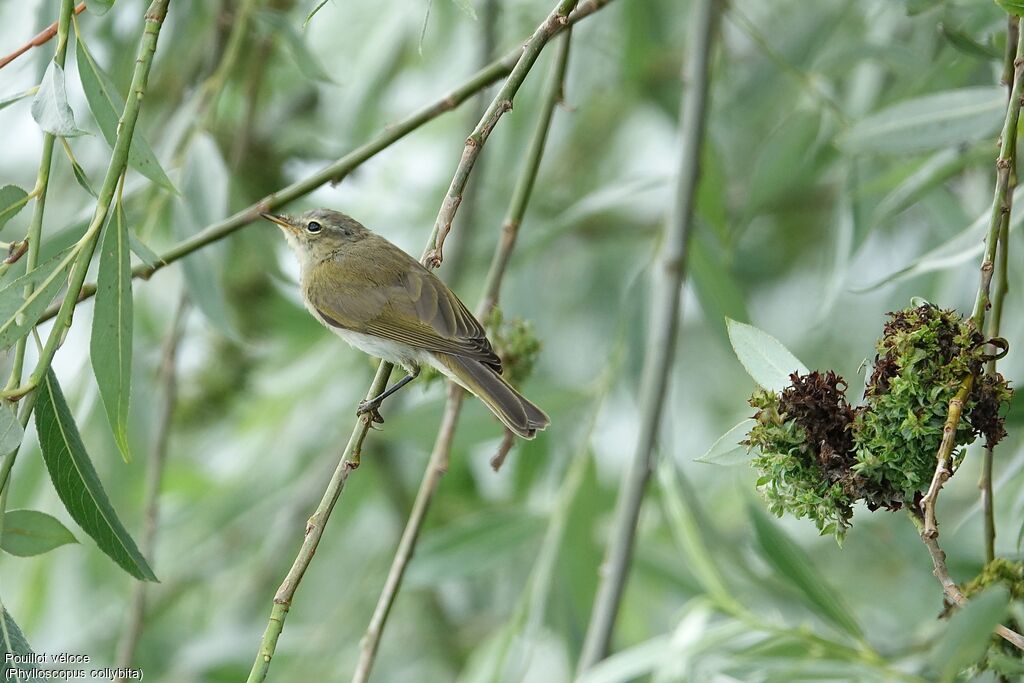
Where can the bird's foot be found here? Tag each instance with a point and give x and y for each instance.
(371, 411)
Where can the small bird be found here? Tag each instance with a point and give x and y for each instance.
(385, 303)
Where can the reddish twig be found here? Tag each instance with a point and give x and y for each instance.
(40, 38)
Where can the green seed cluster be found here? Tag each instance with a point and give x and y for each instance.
(516, 344)
(817, 455)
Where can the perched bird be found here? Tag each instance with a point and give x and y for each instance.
(385, 303)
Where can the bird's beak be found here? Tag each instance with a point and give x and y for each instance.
(282, 221)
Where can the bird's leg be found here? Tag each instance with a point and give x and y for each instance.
(370, 406)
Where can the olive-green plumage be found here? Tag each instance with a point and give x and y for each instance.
(384, 302)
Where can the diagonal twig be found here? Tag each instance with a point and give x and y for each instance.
(39, 39)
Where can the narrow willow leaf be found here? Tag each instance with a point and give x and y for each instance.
(111, 342)
(312, 12)
(11, 431)
(794, 565)
(936, 170)
(106, 105)
(140, 249)
(30, 532)
(11, 99)
(18, 314)
(100, 7)
(965, 43)
(763, 356)
(965, 246)
(930, 122)
(467, 7)
(969, 633)
(50, 106)
(204, 200)
(77, 483)
(473, 545)
(295, 44)
(80, 175)
(12, 200)
(12, 642)
(718, 293)
(726, 450)
(1015, 7)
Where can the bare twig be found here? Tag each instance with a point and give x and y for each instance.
(661, 339)
(999, 217)
(39, 39)
(501, 103)
(1001, 289)
(949, 587)
(943, 470)
(154, 477)
(440, 454)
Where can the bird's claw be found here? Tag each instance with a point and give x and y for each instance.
(371, 410)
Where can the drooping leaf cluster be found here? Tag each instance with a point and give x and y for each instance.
(818, 455)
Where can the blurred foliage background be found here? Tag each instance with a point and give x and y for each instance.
(847, 142)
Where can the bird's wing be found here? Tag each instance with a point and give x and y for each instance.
(394, 297)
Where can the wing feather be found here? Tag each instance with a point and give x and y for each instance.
(394, 297)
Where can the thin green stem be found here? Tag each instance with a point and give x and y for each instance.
(661, 339)
(501, 103)
(35, 232)
(439, 457)
(83, 251)
(999, 295)
(349, 459)
(35, 228)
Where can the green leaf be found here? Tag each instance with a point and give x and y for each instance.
(19, 315)
(719, 294)
(931, 122)
(12, 642)
(473, 545)
(50, 106)
(29, 532)
(935, 171)
(726, 450)
(11, 99)
(969, 632)
(140, 249)
(77, 483)
(794, 565)
(80, 175)
(111, 342)
(965, 43)
(965, 246)
(1015, 7)
(12, 200)
(312, 12)
(204, 200)
(106, 106)
(295, 44)
(765, 359)
(467, 7)
(11, 431)
(99, 7)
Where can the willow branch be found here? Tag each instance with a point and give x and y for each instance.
(336, 172)
(1001, 288)
(501, 103)
(949, 587)
(154, 478)
(1000, 211)
(85, 247)
(42, 37)
(661, 339)
(999, 218)
(439, 457)
(35, 232)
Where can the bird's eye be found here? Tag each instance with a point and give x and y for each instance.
(313, 226)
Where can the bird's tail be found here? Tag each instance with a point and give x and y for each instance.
(507, 404)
